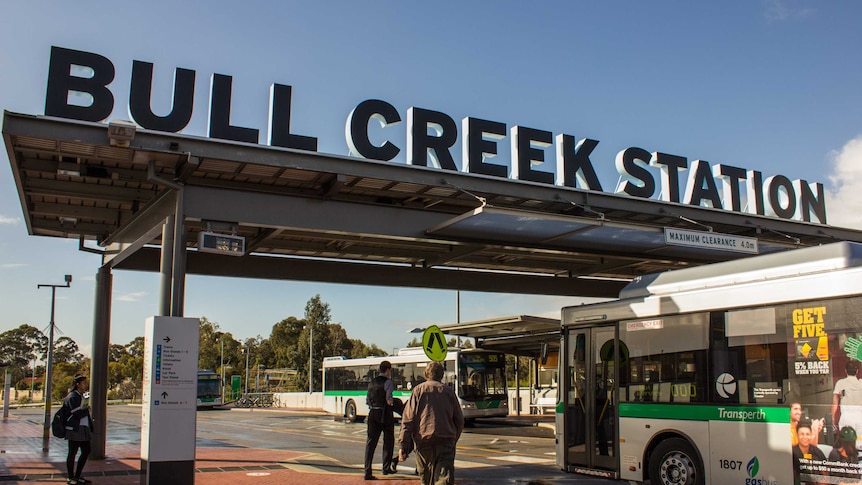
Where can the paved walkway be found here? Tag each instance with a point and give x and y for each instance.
(22, 461)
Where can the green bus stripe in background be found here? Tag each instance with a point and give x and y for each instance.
(752, 414)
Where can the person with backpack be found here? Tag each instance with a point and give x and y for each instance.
(79, 429)
(380, 419)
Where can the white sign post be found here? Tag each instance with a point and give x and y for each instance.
(168, 425)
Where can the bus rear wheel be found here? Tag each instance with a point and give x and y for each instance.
(350, 411)
(674, 462)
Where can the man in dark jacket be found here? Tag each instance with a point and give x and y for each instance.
(431, 423)
(380, 419)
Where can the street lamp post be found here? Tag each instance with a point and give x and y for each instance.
(49, 368)
(33, 378)
(247, 355)
(310, 361)
(458, 314)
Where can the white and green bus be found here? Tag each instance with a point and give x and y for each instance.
(689, 377)
(477, 376)
(209, 389)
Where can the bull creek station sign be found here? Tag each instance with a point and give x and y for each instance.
(431, 136)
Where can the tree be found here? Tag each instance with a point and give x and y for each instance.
(283, 342)
(125, 368)
(209, 345)
(66, 350)
(18, 348)
(317, 318)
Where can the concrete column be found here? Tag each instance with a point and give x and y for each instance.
(99, 363)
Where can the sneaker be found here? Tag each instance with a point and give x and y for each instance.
(370, 477)
(72, 481)
(83, 480)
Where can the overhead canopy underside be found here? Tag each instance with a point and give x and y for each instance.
(314, 217)
(518, 335)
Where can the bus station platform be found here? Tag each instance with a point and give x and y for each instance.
(23, 461)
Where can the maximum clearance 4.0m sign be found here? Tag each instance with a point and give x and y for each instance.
(431, 136)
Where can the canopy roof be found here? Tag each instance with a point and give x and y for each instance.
(317, 217)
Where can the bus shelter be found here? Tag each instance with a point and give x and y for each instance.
(175, 204)
(523, 336)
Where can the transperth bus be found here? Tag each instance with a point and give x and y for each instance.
(690, 376)
(477, 376)
(209, 389)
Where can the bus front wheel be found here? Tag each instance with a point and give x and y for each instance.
(350, 411)
(674, 462)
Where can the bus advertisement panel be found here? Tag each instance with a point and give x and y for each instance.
(477, 376)
(741, 373)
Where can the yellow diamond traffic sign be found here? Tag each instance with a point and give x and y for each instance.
(434, 343)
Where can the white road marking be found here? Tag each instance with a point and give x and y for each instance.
(521, 459)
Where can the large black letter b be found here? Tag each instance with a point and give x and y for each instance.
(61, 82)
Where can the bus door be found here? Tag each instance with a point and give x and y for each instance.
(591, 414)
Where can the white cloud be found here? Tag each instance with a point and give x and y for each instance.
(783, 10)
(12, 265)
(9, 220)
(844, 202)
(132, 297)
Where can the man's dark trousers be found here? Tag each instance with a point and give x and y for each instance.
(379, 420)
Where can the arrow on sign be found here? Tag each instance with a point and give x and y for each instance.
(435, 338)
(164, 395)
(167, 339)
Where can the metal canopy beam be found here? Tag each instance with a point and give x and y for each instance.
(274, 268)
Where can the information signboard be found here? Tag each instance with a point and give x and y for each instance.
(168, 425)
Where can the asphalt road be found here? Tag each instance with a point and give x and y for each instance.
(491, 452)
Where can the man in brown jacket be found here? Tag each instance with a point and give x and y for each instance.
(431, 423)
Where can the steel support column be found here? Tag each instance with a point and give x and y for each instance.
(166, 266)
(99, 363)
(178, 273)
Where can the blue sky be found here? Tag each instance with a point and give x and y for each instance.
(766, 85)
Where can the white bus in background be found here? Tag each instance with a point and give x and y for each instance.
(690, 376)
(209, 389)
(477, 376)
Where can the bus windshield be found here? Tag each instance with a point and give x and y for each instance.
(481, 376)
(208, 386)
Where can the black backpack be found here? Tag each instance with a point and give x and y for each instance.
(376, 397)
(58, 424)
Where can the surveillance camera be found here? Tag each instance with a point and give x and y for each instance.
(68, 278)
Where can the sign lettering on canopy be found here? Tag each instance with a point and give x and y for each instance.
(537, 155)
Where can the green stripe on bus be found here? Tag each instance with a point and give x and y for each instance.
(363, 393)
(492, 404)
(706, 412)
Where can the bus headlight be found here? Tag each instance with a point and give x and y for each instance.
(504, 404)
(468, 405)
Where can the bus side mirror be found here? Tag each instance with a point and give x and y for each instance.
(543, 354)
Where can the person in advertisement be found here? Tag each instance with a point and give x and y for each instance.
(79, 429)
(795, 417)
(844, 453)
(847, 396)
(380, 419)
(804, 454)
